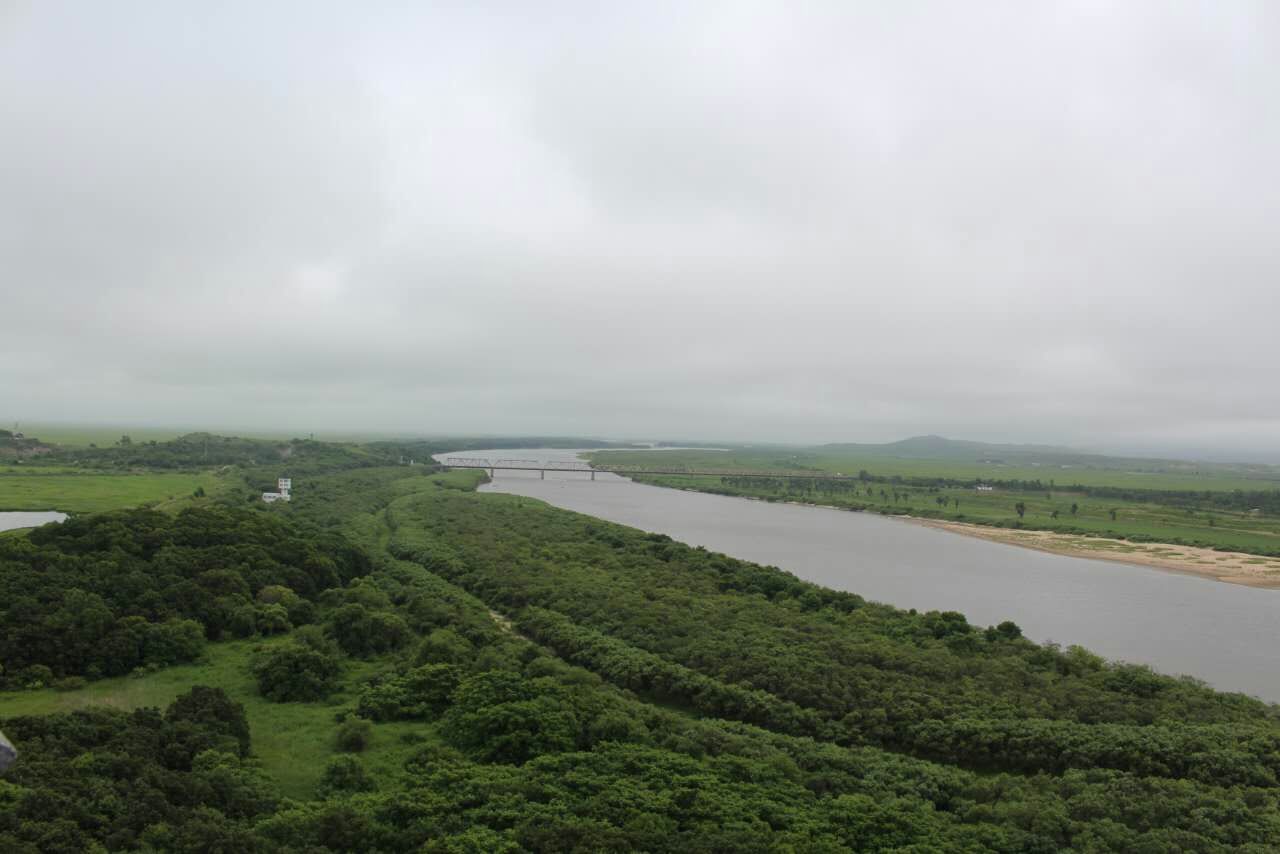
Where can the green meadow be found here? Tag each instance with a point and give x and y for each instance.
(1120, 473)
(24, 487)
(83, 435)
(292, 741)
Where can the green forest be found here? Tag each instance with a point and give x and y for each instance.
(396, 662)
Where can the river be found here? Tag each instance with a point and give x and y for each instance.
(11, 519)
(1222, 633)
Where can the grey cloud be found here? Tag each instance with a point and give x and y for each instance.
(815, 222)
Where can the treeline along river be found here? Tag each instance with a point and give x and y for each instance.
(1180, 624)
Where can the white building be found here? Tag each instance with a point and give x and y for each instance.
(283, 484)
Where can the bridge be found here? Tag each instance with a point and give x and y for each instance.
(493, 466)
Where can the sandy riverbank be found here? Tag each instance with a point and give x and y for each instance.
(1231, 567)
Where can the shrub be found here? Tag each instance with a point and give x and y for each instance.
(292, 671)
(445, 646)
(354, 734)
(174, 641)
(361, 632)
(422, 693)
(213, 710)
(345, 774)
(498, 717)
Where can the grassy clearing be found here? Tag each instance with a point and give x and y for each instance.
(293, 741)
(77, 491)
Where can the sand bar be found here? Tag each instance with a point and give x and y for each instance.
(1231, 567)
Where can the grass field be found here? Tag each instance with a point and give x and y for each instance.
(73, 491)
(105, 435)
(291, 740)
(1152, 475)
(102, 435)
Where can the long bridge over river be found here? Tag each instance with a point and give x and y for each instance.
(493, 466)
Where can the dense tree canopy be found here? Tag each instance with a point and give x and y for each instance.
(101, 595)
(548, 682)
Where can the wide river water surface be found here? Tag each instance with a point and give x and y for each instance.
(1225, 634)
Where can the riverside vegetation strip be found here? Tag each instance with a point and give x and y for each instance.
(363, 696)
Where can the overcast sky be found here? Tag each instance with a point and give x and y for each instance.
(1049, 222)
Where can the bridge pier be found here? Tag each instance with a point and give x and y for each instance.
(491, 471)
(542, 475)
(593, 475)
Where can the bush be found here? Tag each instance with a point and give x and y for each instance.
(362, 633)
(421, 694)
(213, 710)
(174, 641)
(354, 734)
(35, 676)
(499, 717)
(244, 622)
(345, 774)
(292, 671)
(445, 646)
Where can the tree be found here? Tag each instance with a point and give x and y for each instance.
(173, 641)
(1009, 630)
(445, 646)
(292, 671)
(354, 734)
(213, 709)
(345, 774)
(1074, 508)
(1021, 509)
(362, 632)
(498, 717)
(1113, 514)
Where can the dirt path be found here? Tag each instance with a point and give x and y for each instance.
(1231, 567)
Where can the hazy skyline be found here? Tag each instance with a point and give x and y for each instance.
(1029, 222)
